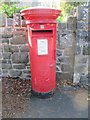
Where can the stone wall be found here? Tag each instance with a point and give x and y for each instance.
(73, 48)
(14, 53)
(74, 40)
(66, 48)
(82, 49)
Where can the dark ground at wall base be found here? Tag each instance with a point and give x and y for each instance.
(18, 102)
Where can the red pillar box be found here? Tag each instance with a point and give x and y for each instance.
(41, 24)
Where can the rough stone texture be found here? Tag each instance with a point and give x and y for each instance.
(14, 53)
(19, 66)
(13, 48)
(6, 66)
(2, 20)
(9, 21)
(71, 23)
(26, 74)
(4, 40)
(0, 55)
(7, 35)
(17, 19)
(82, 13)
(24, 48)
(65, 52)
(82, 50)
(6, 48)
(82, 25)
(20, 58)
(15, 73)
(6, 55)
(18, 40)
(5, 73)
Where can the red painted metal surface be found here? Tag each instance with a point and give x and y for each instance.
(41, 23)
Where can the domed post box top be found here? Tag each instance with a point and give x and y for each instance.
(40, 14)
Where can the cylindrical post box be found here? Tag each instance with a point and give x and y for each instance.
(41, 24)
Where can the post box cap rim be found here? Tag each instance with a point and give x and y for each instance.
(39, 8)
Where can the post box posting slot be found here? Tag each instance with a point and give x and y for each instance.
(42, 32)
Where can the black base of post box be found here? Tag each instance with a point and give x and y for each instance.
(42, 95)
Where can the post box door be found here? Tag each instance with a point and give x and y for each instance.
(43, 63)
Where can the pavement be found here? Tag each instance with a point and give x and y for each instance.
(63, 104)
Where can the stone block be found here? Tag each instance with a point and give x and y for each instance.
(59, 52)
(3, 61)
(69, 51)
(78, 50)
(26, 74)
(84, 79)
(66, 76)
(6, 48)
(18, 40)
(3, 18)
(66, 40)
(81, 68)
(17, 19)
(60, 59)
(19, 66)
(1, 48)
(81, 34)
(86, 49)
(62, 26)
(7, 35)
(82, 25)
(8, 30)
(6, 55)
(20, 57)
(71, 23)
(66, 68)
(24, 48)
(13, 48)
(69, 60)
(26, 71)
(81, 59)
(5, 73)
(9, 61)
(6, 66)
(9, 22)
(65, 59)
(0, 55)
(18, 33)
(15, 73)
(82, 13)
(5, 40)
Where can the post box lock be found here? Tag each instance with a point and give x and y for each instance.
(52, 65)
